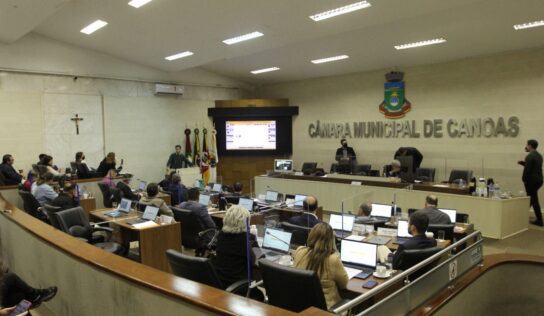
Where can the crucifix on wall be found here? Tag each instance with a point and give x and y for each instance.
(76, 120)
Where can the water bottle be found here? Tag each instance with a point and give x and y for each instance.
(490, 188)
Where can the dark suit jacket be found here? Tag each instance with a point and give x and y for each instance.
(127, 191)
(10, 174)
(351, 152)
(532, 170)
(416, 242)
(305, 220)
(231, 256)
(201, 213)
(104, 167)
(417, 157)
(178, 193)
(64, 201)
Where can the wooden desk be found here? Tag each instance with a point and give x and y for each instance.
(153, 242)
(259, 218)
(88, 204)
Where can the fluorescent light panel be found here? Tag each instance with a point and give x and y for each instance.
(242, 38)
(422, 43)
(93, 27)
(529, 25)
(260, 71)
(138, 3)
(329, 59)
(339, 11)
(179, 55)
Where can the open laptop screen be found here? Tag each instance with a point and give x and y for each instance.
(381, 210)
(150, 213)
(335, 221)
(299, 199)
(271, 196)
(451, 213)
(204, 199)
(402, 229)
(359, 253)
(124, 206)
(276, 239)
(246, 203)
(217, 187)
(283, 165)
(142, 185)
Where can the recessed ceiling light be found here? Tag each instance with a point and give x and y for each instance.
(342, 10)
(529, 25)
(242, 38)
(260, 71)
(422, 43)
(179, 55)
(329, 59)
(138, 3)
(96, 25)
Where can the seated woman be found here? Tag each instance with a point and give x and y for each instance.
(47, 161)
(232, 246)
(321, 256)
(108, 179)
(107, 164)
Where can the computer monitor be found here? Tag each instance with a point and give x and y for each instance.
(204, 199)
(402, 229)
(381, 210)
(217, 187)
(359, 253)
(283, 165)
(276, 239)
(271, 196)
(142, 185)
(335, 220)
(299, 200)
(451, 213)
(246, 203)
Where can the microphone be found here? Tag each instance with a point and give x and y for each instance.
(276, 237)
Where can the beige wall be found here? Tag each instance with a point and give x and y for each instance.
(505, 85)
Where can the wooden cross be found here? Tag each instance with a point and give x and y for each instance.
(76, 120)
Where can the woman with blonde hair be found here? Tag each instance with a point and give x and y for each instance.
(321, 256)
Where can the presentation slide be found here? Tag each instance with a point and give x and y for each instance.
(250, 135)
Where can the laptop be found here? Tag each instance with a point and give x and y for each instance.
(141, 186)
(246, 203)
(283, 165)
(341, 230)
(378, 240)
(204, 199)
(121, 210)
(299, 201)
(271, 196)
(276, 243)
(381, 211)
(217, 187)
(150, 214)
(402, 232)
(451, 213)
(359, 255)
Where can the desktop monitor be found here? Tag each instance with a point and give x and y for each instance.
(271, 196)
(450, 212)
(217, 187)
(246, 203)
(276, 239)
(359, 253)
(283, 165)
(335, 220)
(299, 200)
(381, 210)
(204, 199)
(402, 229)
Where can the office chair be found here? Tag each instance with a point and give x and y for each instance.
(361, 169)
(299, 233)
(74, 222)
(334, 167)
(49, 209)
(309, 167)
(425, 174)
(455, 175)
(412, 210)
(387, 169)
(373, 173)
(461, 218)
(107, 196)
(32, 206)
(201, 270)
(191, 227)
(447, 228)
(410, 257)
(73, 166)
(291, 288)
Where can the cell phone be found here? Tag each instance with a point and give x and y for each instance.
(22, 307)
(370, 284)
(363, 275)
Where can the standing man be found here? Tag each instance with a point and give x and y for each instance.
(177, 160)
(532, 177)
(6, 168)
(345, 156)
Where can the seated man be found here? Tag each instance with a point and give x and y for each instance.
(178, 191)
(435, 215)
(44, 192)
(412, 152)
(10, 174)
(152, 199)
(238, 188)
(197, 209)
(308, 218)
(83, 171)
(124, 187)
(363, 214)
(395, 169)
(417, 225)
(65, 200)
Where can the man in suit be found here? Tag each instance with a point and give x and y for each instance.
(308, 218)
(178, 160)
(417, 226)
(412, 152)
(345, 156)
(11, 176)
(532, 177)
(124, 187)
(433, 213)
(363, 214)
(197, 209)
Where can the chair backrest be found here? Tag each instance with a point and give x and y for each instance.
(190, 227)
(309, 167)
(197, 269)
(30, 204)
(141, 206)
(49, 209)
(73, 166)
(106, 194)
(412, 210)
(299, 233)
(425, 174)
(373, 173)
(461, 218)
(304, 288)
(2, 179)
(460, 174)
(387, 169)
(74, 221)
(447, 228)
(410, 257)
(334, 167)
(362, 169)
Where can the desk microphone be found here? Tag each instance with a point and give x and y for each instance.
(278, 238)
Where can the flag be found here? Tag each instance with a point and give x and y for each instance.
(214, 158)
(205, 168)
(204, 141)
(188, 150)
(196, 152)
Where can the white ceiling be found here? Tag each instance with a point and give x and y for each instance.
(291, 39)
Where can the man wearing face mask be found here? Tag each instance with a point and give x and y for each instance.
(345, 156)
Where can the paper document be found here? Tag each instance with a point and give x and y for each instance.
(143, 225)
(355, 237)
(352, 272)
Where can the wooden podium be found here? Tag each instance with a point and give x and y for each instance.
(189, 175)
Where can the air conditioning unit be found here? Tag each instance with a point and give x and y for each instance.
(168, 89)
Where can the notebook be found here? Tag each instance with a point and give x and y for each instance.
(359, 255)
(204, 199)
(276, 242)
(451, 213)
(299, 201)
(121, 210)
(149, 214)
(246, 203)
(381, 211)
(342, 225)
(217, 187)
(271, 196)
(402, 232)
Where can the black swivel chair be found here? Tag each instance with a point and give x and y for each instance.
(446, 228)
(74, 222)
(425, 174)
(412, 210)
(304, 288)
(49, 210)
(461, 218)
(32, 206)
(309, 167)
(455, 175)
(107, 196)
(362, 169)
(334, 168)
(387, 169)
(410, 257)
(299, 235)
(190, 228)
